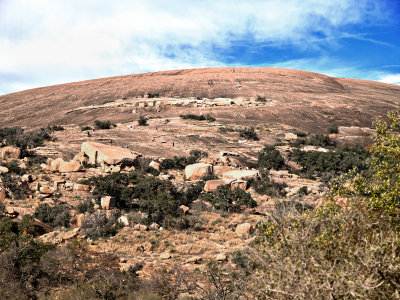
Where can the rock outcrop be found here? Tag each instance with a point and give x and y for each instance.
(107, 202)
(243, 175)
(100, 153)
(59, 165)
(198, 171)
(10, 152)
(212, 185)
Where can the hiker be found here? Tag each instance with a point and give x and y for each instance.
(88, 134)
(173, 144)
(111, 142)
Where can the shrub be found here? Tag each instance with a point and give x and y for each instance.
(340, 161)
(98, 225)
(226, 129)
(198, 118)
(248, 134)
(86, 206)
(13, 167)
(180, 162)
(16, 136)
(265, 186)
(261, 99)
(321, 140)
(142, 121)
(157, 198)
(12, 184)
(103, 124)
(224, 199)
(57, 215)
(333, 129)
(84, 128)
(270, 158)
(56, 128)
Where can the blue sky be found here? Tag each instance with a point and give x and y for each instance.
(45, 42)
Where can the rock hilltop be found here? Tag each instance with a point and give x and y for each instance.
(307, 100)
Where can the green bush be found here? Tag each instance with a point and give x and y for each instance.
(142, 121)
(248, 134)
(333, 129)
(16, 136)
(56, 128)
(224, 199)
(158, 199)
(340, 161)
(180, 162)
(265, 186)
(86, 206)
(321, 140)
(84, 128)
(198, 118)
(270, 158)
(103, 124)
(57, 215)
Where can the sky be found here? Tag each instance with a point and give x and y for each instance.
(46, 42)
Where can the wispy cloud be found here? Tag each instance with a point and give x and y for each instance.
(45, 42)
(390, 78)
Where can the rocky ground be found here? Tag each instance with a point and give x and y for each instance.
(279, 104)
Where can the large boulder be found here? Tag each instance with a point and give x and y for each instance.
(241, 184)
(244, 175)
(59, 165)
(244, 230)
(10, 152)
(107, 202)
(100, 153)
(198, 171)
(212, 185)
(70, 166)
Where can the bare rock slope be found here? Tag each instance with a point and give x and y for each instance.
(299, 99)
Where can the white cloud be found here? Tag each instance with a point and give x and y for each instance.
(390, 78)
(45, 42)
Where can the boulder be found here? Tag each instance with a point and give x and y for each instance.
(244, 175)
(55, 164)
(3, 170)
(81, 157)
(241, 184)
(212, 185)
(46, 190)
(3, 195)
(123, 220)
(154, 226)
(81, 187)
(183, 209)
(26, 178)
(194, 260)
(10, 152)
(70, 166)
(59, 165)
(198, 171)
(112, 155)
(140, 227)
(220, 257)
(165, 255)
(243, 230)
(220, 170)
(107, 202)
(155, 165)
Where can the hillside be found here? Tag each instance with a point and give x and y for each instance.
(303, 100)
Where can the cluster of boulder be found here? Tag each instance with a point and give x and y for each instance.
(236, 178)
